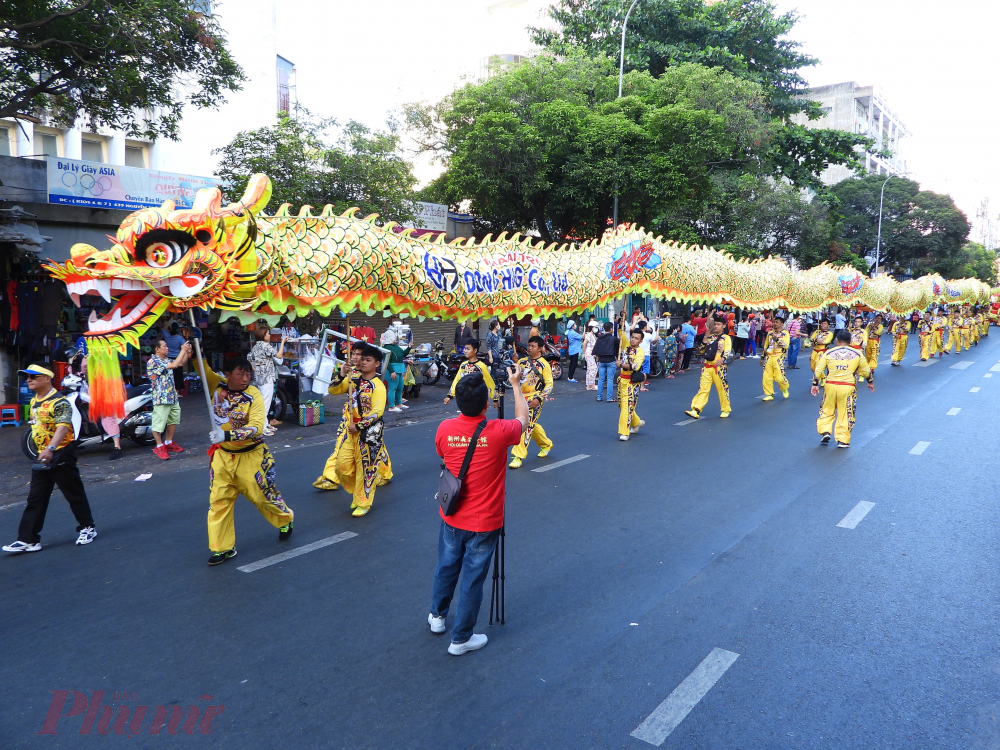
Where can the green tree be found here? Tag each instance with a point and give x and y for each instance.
(922, 231)
(543, 145)
(746, 38)
(976, 263)
(315, 162)
(125, 64)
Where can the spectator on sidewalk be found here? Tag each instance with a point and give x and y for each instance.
(395, 372)
(742, 334)
(53, 439)
(166, 409)
(691, 339)
(588, 353)
(606, 351)
(175, 343)
(670, 353)
(468, 537)
(264, 360)
(574, 345)
(463, 333)
(794, 329)
(751, 347)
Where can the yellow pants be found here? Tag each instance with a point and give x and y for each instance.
(710, 376)
(628, 397)
(814, 359)
(330, 468)
(535, 431)
(872, 352)
(926, 345)
(774, 372)
(963, 339)
(937, 339)
(954, 341)
(842, 400)
(250, 474)
(360, 467)
(899, 347)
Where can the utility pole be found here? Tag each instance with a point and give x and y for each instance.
(621, 75)
(878, 242)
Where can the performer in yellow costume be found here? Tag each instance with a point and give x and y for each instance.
(859, 334)
(362, 452)
(900, 338)
(776, 345)
(925, 335)
(963, 330)
(821, 338)
(536, 385)
(344, 381)
(718, 347)
(873, 346)
(473, 364)
(836, 373)
(631, 361)
(939, 324)
(241, 464)
(972, 324)
(983, 322)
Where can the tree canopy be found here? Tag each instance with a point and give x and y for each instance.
(746, 38)
(922, 231)
(314, 162)
(131, 65)
(543, 145)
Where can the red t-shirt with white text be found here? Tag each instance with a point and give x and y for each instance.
(481, 504)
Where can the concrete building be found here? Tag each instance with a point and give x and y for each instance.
(862, 110)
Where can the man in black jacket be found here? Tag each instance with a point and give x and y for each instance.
(606, 350)
(463, 334)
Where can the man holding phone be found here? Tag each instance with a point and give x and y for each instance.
(468, 537)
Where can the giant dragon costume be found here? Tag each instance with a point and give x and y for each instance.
(233, 258)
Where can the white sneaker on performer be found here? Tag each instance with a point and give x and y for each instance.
(87, 535)
(436, 623)
(475, 643)
(623, 438)
(20, 546)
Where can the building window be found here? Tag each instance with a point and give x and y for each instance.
(135, 156)
(286, 84)
(47, 144)
(91, 150)
(4, 141)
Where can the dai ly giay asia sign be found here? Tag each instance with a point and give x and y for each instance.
(89, 183)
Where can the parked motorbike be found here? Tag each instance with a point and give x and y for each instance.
(429, 362)
(137, 425)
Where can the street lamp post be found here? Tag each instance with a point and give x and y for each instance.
(878, 242)
(621, 74)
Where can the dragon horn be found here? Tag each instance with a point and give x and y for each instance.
(255, 197)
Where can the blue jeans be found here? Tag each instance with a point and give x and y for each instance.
(606, 372)
(793, 351)
(468, 553)
(394, 388)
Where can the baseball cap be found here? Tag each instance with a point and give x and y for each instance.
(37, 370)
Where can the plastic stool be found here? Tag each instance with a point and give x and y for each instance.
(10, 414)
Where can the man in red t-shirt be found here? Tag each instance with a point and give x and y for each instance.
(469, 536)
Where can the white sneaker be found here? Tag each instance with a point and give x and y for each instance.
(404, 406)
(623, 438)
(87, 535)
(396, 409)
(436, 623)
(475, 643)
(22, 547)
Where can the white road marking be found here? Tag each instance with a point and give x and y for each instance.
(275, 559)
(926, 363)
(665, 717)
(857, 514)
(995, 368)
(16, 504)
(565, 461)
(919, 448)
(953, 411)
(974, 390)
(988, 375)
(686, 421)
(962, 365)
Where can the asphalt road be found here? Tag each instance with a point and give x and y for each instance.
(697, 566)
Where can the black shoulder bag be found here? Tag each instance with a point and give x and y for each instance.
(449, 492)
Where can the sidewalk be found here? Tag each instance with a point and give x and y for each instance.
(192, 434)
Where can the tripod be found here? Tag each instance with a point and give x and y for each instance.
(496, 598)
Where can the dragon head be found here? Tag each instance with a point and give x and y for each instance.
(167, 259)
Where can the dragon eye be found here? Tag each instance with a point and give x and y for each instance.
(163, 254)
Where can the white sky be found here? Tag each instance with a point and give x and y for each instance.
(936, 63)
